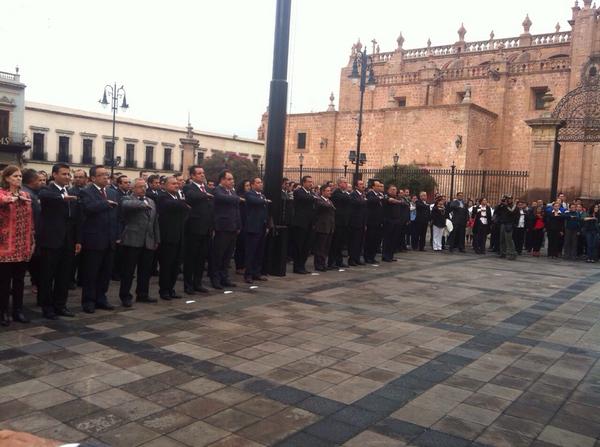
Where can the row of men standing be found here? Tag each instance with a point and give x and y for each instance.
(191, 224)
(364, 222)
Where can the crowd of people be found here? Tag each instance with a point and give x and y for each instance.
(71, 228)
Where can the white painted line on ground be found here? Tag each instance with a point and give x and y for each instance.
(228, 291)
(190, 301)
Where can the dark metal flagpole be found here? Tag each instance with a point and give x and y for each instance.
(275, 150)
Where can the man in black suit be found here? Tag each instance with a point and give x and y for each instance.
(392, 216)
(374, 232)
(153, 187)
(198, 230)
(404, 202)
(80, 181)
(324, 227)
(357, 223)
(421, 222)
(342, 201)
(255, 231)
(227, 226)
(58, 240)
(173, 213)
(302, 224)
(31, 185)
(98, 236)
(122, 189)
(460, 217)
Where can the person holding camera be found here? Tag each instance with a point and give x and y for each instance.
(506, 217)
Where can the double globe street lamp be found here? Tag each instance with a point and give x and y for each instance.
(115, 94)
(362, 74)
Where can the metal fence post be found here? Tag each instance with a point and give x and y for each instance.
(483, 177)
(452, 172)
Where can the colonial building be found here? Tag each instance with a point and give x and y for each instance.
(464, 103)
(81, 138)
(13, 141)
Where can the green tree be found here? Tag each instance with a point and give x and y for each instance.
(242, 168)
(413, 177)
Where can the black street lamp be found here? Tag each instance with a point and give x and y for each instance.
(261, 169)
(301, 160)
(357, 160)
(363, 63)
(115, 94)
(396, 157)
(345, 168)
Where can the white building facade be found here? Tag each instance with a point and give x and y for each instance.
(82, 139)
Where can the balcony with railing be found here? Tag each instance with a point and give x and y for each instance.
(88, 160)
(149, 165)
(129, 163)
(5, 76)
(556, 38)
(167, 166)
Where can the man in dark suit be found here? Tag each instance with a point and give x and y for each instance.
(227, 226)
(98, 236)
(324, 227)
(255, 231)
(460, 217)
(374, 232)
(302, 224)
(122, 189)
(80, 181)
(198, 230)
(342, 201)
(173, 213)
(58, 240)
(421, 222)
(392, 216)
(403, 228)
(357, 223)
(31, 185)
(153, 187)
(139, 238)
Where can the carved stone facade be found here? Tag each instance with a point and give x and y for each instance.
(481, 92)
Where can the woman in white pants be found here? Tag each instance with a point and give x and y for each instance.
(438, 219)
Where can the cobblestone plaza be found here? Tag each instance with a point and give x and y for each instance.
(435, 350)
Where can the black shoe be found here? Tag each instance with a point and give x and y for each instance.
(352, 264)
(174, 295)
(189, 291)
(49, 315)
(89, 308)
(215, 284)
(65, 312)
(248, 280)
(260, 278)
(165, 297)
(127, 303)
(146, 299)
(4, 320)
(228, 283)
(19, 316)
(105, 306)
(301, 272)
(201, 289)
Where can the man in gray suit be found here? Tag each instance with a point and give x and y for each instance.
(139, 240)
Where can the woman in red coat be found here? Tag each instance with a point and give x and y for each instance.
(16, 243)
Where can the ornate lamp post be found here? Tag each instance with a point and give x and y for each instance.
(396, 157)
(345, 168)
(301, 160)
(115, 94)
(361, 65)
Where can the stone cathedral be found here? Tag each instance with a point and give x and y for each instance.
(488, 104)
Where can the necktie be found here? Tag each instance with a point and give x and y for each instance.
(63, 192)
(202, 187)
(103, 193)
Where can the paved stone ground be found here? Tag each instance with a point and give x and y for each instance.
(435, 350)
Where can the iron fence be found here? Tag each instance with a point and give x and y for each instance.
(475, 184)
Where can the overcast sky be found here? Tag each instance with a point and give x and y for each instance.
(214, 58)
